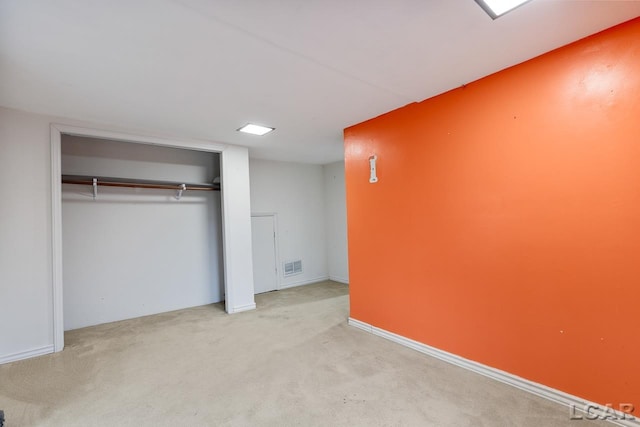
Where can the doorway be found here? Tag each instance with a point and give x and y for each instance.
(264, 248)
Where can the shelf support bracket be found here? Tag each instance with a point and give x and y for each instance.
(182, 188)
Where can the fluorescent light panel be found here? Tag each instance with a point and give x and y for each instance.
(496, 8)
(255, 129)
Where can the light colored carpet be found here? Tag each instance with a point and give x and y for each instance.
(292, 362)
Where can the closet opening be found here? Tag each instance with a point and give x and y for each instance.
(141, 230)
(155, 258)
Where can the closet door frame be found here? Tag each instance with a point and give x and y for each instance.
(236, 215)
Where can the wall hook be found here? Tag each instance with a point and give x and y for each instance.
(95, 188)
(373, 178)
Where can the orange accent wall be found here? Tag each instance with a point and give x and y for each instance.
(505, 226)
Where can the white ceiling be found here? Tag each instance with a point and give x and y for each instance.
(310, 68)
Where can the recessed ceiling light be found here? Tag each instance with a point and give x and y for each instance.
(255, 129)
(497, 8)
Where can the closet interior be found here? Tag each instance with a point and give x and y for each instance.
(141, 230)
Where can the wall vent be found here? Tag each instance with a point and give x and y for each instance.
(292, 267)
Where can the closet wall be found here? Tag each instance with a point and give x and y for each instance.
(133, 252)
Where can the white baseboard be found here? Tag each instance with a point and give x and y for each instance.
(304, 282)
(576, 404)
(26, 354)
(339, 279)
(241, 308)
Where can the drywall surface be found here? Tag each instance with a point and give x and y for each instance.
(335, 204)
(25, 235)
(507, 219)
(295, 192)
(134, 252)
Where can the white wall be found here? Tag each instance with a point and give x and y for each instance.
(335, 203)
(295, 192)
(26, 268)
(134, 252)
(25, 236)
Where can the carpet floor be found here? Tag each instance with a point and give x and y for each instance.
(292, 362)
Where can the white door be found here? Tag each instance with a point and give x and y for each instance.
(263, 238)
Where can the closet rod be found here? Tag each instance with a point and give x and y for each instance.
(137, 183)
